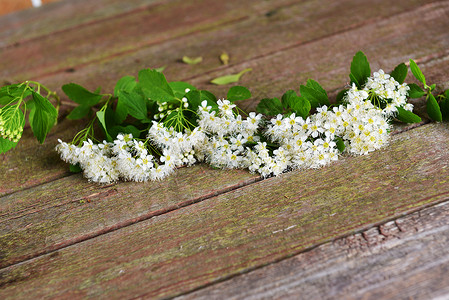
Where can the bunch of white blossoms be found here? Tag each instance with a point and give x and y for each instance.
(392, 94)
(227, 134)
(225, 140)
(128, 158)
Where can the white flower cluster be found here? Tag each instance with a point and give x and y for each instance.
(128, 158)
(227, 135)
(225, 140)
(392, 93)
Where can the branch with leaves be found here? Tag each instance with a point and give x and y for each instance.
(19, 100)
(148, 126)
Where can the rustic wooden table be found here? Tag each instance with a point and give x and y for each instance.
(374, 226)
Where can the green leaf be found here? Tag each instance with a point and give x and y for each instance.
(340, 144)
(289, 98)
(135, 103)
(341, 95)
(206, 95)
(194, 98)
(126, 83)
(270, 107)
(192, 60)
(6, 99)
(179, 88)
(75, 168)
(399, 73)
(238, 93)
(417, 72)
(444, 107)
(302, 107)
(446, 93)
(314, 93)
(101, 115)
(6, 145)
(115, 130)
(80, 95)
(160, 69)
(155, 86)
(79, 112)
(43, 116)
(360, 69)
(415, 91)
(407, 116)
(15, 90)
(121, 111)
(433, 109)
(299, 105)
(227, 79)
(210, 98)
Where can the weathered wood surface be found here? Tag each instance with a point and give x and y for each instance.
(51, 216)
(56, 17)
(399, 259)
(9, 6)
(248, 227)
(332, 74)
(130, 239)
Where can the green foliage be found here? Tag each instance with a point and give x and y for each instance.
(341, 95)
(433, 109)
(340, 144)
(270, 107)
(6, 145)
(154, 86)
(43, 116)
(135, 104)
(407, 116)
(415, 91)
(16, 100)
(314, 93)
(238, 93)
(127, 84)
(179, 88)
(417, 72)
(75, 168)
(227, 79)
(360, 69)
(192, 60)
(80, 95)
(399, 73)
(299, 105)
(444, 107)
(79, 112)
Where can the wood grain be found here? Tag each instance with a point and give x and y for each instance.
(332, 76)
(122, 34)
(407, 258)
(66, 211)
(31, 163)
(64, 15)
(247, 228)
(275, 72)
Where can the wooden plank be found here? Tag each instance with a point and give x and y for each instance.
(62, 16)
(407, 258)
(12, 168)
(246, 228)
(274, 73)
(121, 35)
(386, 43)
(30, 163)
(66, 211)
